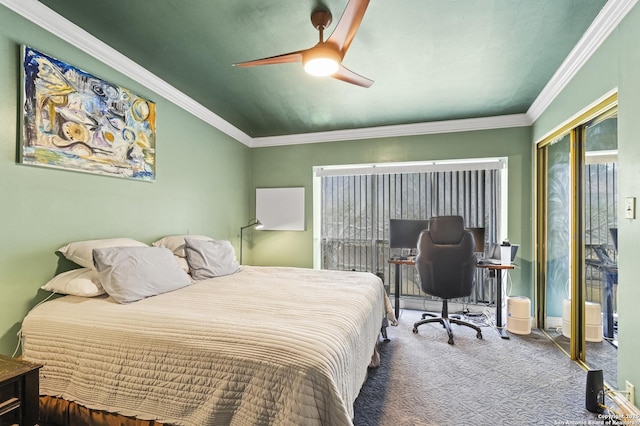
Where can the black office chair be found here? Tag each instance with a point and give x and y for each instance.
(446, 264)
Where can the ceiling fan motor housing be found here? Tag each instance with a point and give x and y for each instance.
(321, 19)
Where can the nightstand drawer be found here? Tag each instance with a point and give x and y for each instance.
(19, 382)
(10, 412)
(9, 401)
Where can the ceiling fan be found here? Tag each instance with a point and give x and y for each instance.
(325, 58)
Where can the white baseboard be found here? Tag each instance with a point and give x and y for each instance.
(554, 322)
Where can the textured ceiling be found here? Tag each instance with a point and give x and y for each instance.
(431, 60)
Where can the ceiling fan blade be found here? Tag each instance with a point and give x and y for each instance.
(346, 75)
(348, 25)
(279, 59)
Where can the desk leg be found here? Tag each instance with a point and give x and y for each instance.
(397, 292)
(502, 331)
(608, 326)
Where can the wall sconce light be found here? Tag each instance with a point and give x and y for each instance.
(253, 222)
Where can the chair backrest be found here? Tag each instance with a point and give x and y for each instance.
(446, 261)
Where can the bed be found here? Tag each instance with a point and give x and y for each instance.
(263, 345)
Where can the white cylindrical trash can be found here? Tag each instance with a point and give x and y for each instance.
(566, 318)
(593, 321)
(519, 315)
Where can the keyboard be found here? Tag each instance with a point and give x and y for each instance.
(489, 262)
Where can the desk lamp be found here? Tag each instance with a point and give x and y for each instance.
(253, 222)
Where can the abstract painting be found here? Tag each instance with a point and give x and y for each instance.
(75, 121)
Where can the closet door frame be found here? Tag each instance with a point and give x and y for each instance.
(576, 128)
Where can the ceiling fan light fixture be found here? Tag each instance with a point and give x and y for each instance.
(321, 61)
(321, 67)
(325, 58)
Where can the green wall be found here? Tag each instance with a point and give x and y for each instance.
(293, 165)
(615, 65)
(201, 186)
(629, 186)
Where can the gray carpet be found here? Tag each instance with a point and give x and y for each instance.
(423, 380)
(600, 355)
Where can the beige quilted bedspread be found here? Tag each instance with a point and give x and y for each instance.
(277, 346)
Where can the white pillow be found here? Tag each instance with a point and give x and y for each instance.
(209, 259)
(81, 252)
(182, 262)
(175, 243)
(133, 273)
(82, 282)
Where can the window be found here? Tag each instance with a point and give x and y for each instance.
(355, 204)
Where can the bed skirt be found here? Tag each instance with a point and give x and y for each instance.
(59, 412)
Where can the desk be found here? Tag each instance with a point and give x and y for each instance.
(491, 267)
(502, 331)
(399, 262)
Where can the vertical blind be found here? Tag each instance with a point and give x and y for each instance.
(356, 209)
(601, 227)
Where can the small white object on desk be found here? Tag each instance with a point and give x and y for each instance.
(505, 253)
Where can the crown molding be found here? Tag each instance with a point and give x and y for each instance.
(607, 20)
(612, 13)
(59, 26)
(448, 126)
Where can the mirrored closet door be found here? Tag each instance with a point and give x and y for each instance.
(576, 238)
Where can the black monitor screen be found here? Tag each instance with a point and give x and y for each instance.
(478, 238)
(404, 233)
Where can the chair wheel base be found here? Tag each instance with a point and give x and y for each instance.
(446, 322)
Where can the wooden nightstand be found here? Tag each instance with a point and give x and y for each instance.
(19, 396)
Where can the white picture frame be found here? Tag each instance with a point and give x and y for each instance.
(280, 209)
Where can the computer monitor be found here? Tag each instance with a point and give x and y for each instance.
(404, 233)
(495, 252)
(478, 237)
